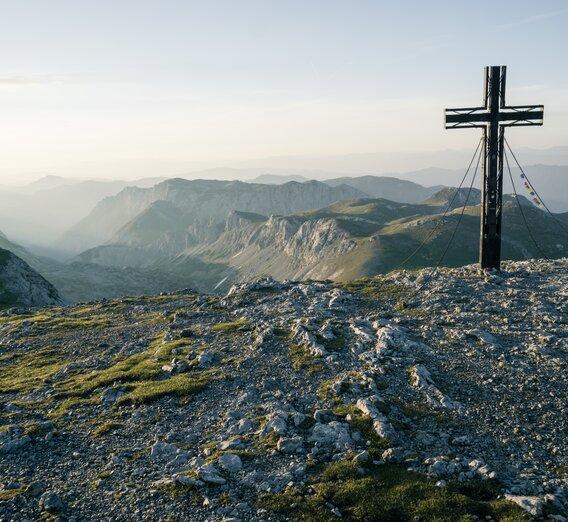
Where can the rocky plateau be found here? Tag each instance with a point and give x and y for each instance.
(416, 395)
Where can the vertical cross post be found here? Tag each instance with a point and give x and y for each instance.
(492, 188)
(493, 117)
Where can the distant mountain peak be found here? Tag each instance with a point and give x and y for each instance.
(458, 197)
(278, 179)
(386, 187)
(49, 181)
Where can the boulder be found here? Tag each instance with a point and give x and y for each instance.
(163, 451)
(210, 475)
(334, 434)
(290, 445)
(532, 505)
(230, 462)
(51, 502)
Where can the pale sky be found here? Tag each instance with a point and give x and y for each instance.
(216, 81)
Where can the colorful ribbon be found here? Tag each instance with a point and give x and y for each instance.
(531, 192)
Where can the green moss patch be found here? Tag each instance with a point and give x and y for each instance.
(9, 494)
(390, 494)
(23, 372)
(140, 375)
(373, 289)
(182, 385)
(145, 366)
(230, 327)
(34, 430)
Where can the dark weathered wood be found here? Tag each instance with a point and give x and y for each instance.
(493, 117)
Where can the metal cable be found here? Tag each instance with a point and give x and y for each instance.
(521, 209)
(429, 275)
(563, 225)
(441, 220)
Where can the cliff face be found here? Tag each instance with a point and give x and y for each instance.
(299, 243)
(21, 285)
(199, 205)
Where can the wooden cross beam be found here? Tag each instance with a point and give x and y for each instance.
(493, 117)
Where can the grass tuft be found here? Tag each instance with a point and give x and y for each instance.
(230, 327)
(141, 377)
(182, 385)
(105, 428)
(9, 494)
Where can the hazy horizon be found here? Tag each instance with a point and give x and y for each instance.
(107, 89)
(404, 165)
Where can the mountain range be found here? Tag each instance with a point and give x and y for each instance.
(208, 234)
(215, 233)
(551, 182)
(38, 214)
(199, 208)
(140, 217)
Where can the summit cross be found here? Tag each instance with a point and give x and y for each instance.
(493, 117)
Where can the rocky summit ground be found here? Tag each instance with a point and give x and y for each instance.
(403, 397)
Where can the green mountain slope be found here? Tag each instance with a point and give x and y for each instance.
(365, 237)
(345, 240)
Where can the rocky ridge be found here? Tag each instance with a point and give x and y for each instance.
(365, 237)
(199, 205)
(21, 285)
(294, 400)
